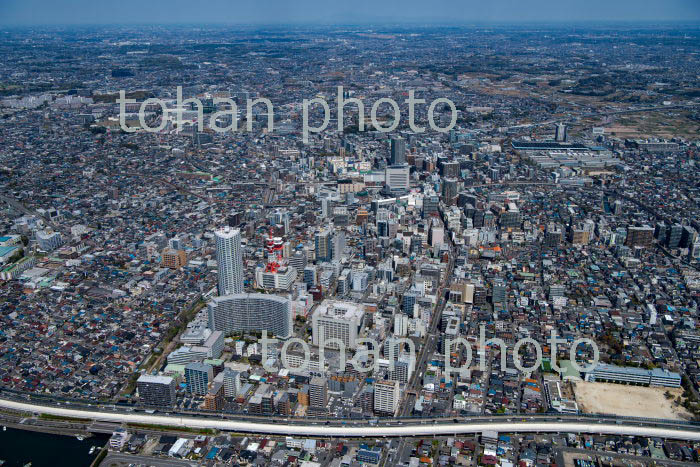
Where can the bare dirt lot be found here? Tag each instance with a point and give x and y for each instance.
(633, 401)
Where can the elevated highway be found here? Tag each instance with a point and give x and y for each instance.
(367, 430)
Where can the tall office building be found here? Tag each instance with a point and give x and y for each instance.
(409, 302)
(386, 397)
(661, 232)
(688, 237)
(156, 391)
(450, 188)
(560, 132)
(397, 178)
(326, 207)
(338, 245)
(229, 256)
(310, 276)
(431, 204)
(553, 235)
(340, 320)
(323, 245)
(449, 169)
(403, 369)
(673, 238)
(318, 392)
(499, 292)
(298, 261)
(398, 151)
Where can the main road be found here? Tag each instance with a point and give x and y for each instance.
(413, 428)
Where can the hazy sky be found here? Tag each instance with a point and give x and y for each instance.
(32, 12)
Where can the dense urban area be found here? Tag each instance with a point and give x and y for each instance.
(406, 276)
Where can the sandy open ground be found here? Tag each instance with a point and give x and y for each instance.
(633, 401)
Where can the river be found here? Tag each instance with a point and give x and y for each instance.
(18, 447)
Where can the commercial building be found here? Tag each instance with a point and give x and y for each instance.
(436, 234)
(409, 302)
(431, 204)
(251, 312)
(398, 151)
(310, 276)
(323, 246)
(48, 240)
(579, 236)
(298, 260)
(275, 275)
(397, 178)
(318, 392)
(511, 217)
(339, 320)
(403, 369)
(674, 236)
(499, 292)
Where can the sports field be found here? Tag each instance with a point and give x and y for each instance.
(634, 401)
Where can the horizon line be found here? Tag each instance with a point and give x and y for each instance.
(376, 22)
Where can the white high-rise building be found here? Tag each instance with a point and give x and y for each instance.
(48, 240)
(386, 396)
(397, 177)
(229, 256)
(340, 320)
(251, 312)
(560, 132)
(338, 245)
(400, 325)
(275, 276)
(436, 233)
(232, 382)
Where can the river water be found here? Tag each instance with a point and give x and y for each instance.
(19, 447)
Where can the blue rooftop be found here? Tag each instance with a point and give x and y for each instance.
(5, 250)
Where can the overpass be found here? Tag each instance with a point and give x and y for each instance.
(401, 429)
